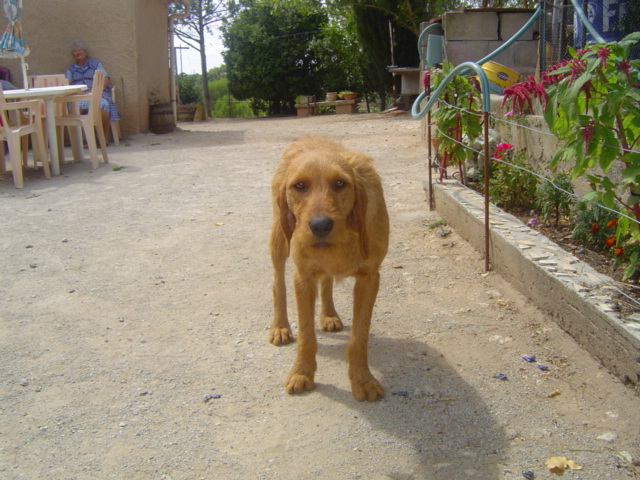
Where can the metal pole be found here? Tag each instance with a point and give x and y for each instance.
(430, 158)
(487, 230)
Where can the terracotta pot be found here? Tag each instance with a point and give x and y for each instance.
(332, 96)
(350, 96)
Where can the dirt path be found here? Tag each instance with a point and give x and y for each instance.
(136, 301)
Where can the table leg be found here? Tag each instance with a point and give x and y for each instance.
(53, 139)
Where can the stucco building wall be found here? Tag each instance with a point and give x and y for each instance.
(129, 37)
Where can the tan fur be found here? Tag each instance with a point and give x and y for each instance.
(319, 178)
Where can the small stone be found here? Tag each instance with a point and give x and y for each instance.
(24, 382)
(608, 437)
(400, 393)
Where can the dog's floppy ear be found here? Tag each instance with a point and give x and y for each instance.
(358, 217)
(287, 220)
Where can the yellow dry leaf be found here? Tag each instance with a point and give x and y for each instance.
(555, 393)
(219, 224)
(558, 465)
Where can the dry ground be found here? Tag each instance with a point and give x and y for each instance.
(136, 301)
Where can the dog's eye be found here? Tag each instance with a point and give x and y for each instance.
(300, 186)
(340, 184)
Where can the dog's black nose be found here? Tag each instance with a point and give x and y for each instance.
(321, 225)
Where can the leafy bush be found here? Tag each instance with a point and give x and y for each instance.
(189, 88)
(554, 198)
(512, 185)
(229, 107)
(593, 226)
(457, 116)
(591, 103)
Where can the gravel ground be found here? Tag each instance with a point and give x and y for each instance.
(135, 312)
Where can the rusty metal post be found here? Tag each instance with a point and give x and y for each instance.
(487, 232)
(431, 203)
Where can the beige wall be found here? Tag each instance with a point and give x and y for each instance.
(129, 37)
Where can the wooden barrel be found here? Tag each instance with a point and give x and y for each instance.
(161, 118)
(186, 112)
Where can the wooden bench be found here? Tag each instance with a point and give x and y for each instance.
(341, 106)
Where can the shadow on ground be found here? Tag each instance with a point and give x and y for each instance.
(427, 406)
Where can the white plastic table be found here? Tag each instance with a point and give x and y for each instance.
(48, 94)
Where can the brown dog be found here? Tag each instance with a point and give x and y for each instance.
(330, 215)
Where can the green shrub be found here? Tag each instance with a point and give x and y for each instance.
(512, 185)
(593, 225)
(189, 88)
(554, 198)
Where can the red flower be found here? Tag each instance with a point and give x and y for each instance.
(612, 223)
(522, 93)
(611, 241)
(577, 67)
(625, 67)
(595, 228)
(587, 133)
(618, 251)
(603, 54)
(426, 81)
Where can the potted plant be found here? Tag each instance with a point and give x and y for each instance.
(348, 95)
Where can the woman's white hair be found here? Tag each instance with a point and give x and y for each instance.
(78, 43)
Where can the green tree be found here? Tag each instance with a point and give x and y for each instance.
(188, 88)
(377, 21)
(339, 53)
(269, 53)
(193, 29)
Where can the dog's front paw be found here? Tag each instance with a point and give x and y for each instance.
(298, 383)
(367, 389)
(331, 324)
(280, 336)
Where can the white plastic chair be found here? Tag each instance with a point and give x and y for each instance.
(90, 122)
(40, 81)
(27, 121)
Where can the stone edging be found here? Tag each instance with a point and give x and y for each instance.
(577, 296)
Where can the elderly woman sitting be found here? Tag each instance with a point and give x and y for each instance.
(81, 72)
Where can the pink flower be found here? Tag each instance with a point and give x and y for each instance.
(503, 146)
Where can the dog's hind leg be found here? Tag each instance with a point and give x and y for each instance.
(364, 385)
(329, 318)
(280, 332)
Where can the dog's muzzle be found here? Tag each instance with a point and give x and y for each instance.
(320, 225)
